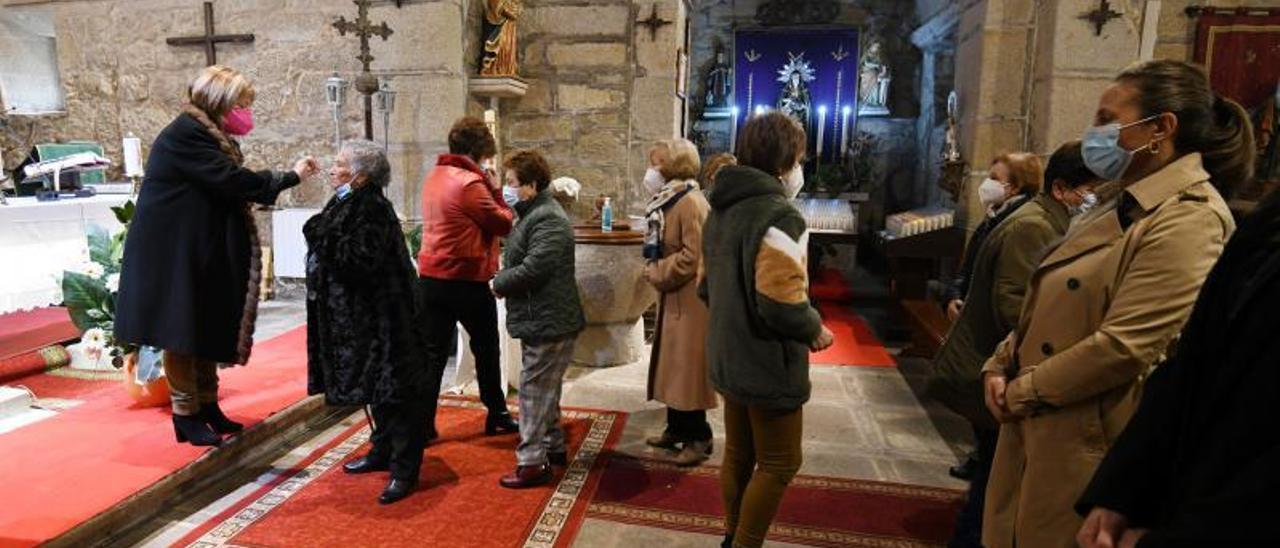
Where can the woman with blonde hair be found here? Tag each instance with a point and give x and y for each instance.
(1104, 305)
(191, 270)
(712, 167)
(678, 364)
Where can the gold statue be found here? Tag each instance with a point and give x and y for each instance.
(500, 37)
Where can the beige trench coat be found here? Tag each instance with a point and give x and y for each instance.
(1100, 312)
(678, 366)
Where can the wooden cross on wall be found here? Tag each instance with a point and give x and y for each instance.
(210, 38)
(1100, 16)
(653, 23)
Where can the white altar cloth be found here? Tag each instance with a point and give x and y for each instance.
(39, 240)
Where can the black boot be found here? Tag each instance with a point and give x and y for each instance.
(217, 420)
(192, 429)
(500, 423)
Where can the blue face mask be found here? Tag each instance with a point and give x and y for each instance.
(343, 191)
(510, 195)
(1102, 152)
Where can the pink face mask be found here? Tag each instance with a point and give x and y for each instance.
(238, 122)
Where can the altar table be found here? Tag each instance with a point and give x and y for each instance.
(39, 240)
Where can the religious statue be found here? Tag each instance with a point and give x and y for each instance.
(719, 82)
(499, 58)
(873, 81)
(1265, 120)
(794, 100)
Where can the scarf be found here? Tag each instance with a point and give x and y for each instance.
(248, 316)
(655, 215)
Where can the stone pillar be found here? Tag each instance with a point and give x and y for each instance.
(656, 110)
(936, 40)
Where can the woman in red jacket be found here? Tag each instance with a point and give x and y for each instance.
(463, 217)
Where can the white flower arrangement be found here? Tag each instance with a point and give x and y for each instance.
(92, 269)
(113, 282)
(94, 338)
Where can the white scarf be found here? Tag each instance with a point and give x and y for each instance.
(655, 211)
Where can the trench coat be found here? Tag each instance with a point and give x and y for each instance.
(678, 365)
(998, 283)
(1101, 311)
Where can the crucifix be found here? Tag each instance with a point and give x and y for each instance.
(210, 38)
(366, 82)
(1100, 16)
(653, 23)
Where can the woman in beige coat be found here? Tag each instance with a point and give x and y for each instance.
(673, 247)
(1105, 304)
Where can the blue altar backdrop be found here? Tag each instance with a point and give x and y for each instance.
(762, 55)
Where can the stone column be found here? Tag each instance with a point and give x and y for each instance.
(656, 110)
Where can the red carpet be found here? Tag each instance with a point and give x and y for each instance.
(64, 470)
(459, 503)
(855, 343)
(36, 361)
(815, 511)
(23, 332)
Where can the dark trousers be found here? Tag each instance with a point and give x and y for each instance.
(686, 426)
(399, 436)
(444, 304)
(968, 533)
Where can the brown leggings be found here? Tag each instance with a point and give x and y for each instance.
(761, 455)
(192, 381)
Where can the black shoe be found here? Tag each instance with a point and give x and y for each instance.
(964, 470)
(212, 414)
(728, 542)
(366, 464)
(500, 423)
(193, 430)
(560, 459)
(396, 490)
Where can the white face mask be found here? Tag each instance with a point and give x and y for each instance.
(1087, 202)
(991, 193)
(487, 164)
(794, 181)
(653, 180)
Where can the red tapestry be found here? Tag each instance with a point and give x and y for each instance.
(1242, 53)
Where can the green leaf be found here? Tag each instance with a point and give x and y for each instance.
(99, 245)
(82, 294)
(124, 213)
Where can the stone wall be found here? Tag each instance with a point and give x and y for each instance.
(601, 90)
(121, 77)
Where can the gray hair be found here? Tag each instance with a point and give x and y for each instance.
(367, 157)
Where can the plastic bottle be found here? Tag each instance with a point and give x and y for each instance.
(606, 216)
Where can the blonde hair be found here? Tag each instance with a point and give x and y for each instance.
(678, 159)
(217, 89)
(713, 166)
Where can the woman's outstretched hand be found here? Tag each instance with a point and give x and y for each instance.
(306, 168)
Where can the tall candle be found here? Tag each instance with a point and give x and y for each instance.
(822, 128)
(844, 132)
(132, 156)
(733, 132)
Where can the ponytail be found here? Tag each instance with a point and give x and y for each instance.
(1216, 127)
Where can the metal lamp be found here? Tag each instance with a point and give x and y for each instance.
(335, 93)
(385, 102)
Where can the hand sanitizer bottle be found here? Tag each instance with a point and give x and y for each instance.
(606, 216)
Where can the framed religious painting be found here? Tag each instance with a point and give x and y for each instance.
(1240, 49)
(682, 74)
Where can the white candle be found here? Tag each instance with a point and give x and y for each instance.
(822, 127)
(733, 132)
(844, 132)
(132, 156)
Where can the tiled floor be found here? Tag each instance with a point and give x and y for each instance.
(862, 422)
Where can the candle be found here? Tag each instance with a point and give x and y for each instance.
(844, 131)
(822, 127)
(132, 156)
(733, 132)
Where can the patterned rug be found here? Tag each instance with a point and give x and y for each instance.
(459, 502)
(816, 511)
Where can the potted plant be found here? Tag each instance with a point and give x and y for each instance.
(89, 293)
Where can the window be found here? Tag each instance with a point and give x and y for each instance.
(29, 62)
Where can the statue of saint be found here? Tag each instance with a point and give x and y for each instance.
(794, 101)
(873, 79)
(719, 83)
(499, 58)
